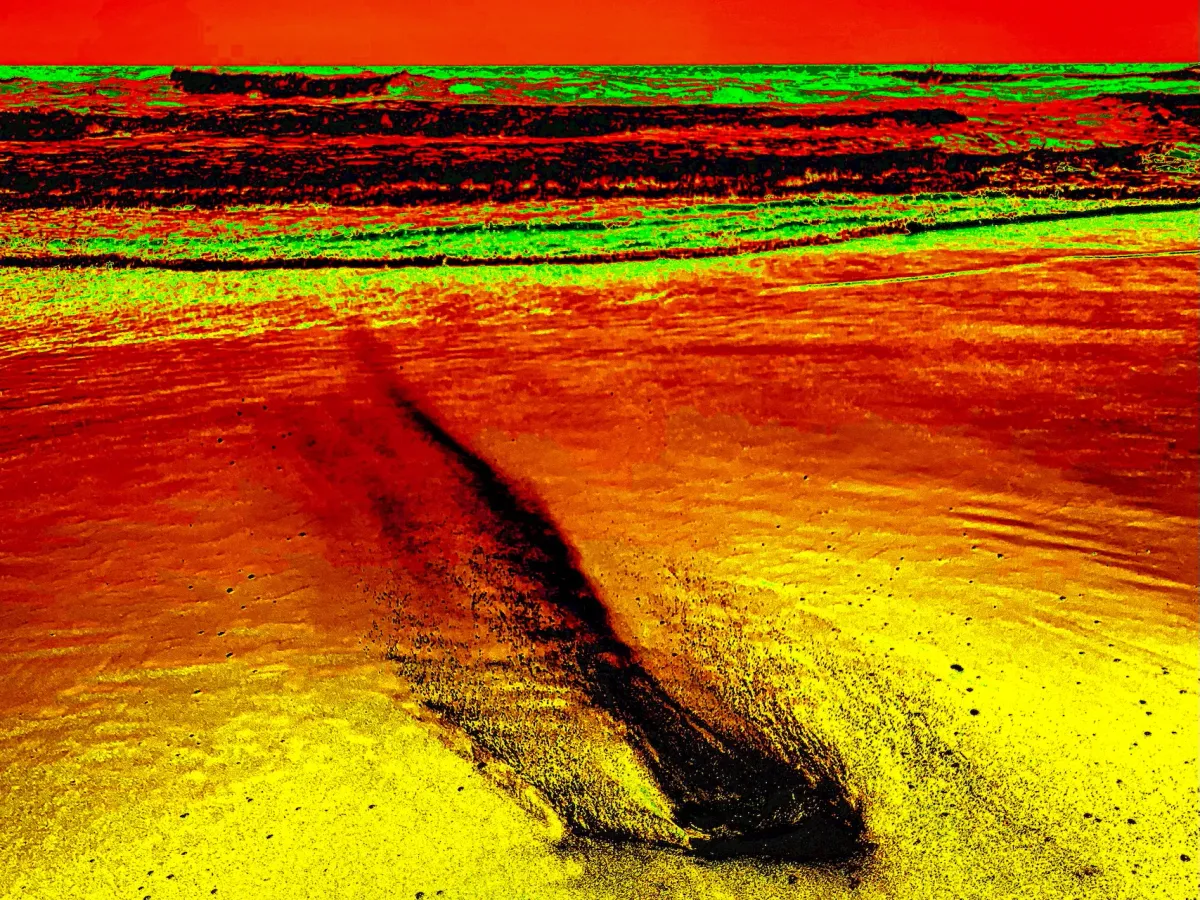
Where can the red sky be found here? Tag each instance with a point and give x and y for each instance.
(399, 32)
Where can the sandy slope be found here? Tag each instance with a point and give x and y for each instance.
(816, 485)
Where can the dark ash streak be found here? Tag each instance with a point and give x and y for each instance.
(733, 792)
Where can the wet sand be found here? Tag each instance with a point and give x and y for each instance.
(933, 498)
